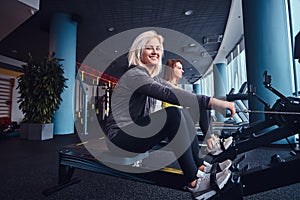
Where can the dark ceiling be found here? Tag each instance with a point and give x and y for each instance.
(95, 17)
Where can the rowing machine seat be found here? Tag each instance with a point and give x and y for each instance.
(135, 161)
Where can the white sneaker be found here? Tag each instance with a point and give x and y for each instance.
(215, 145)
(218, 166)
(203, 189)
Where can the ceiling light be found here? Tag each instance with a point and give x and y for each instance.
(111, 29)
(190, 49)
(188, 12)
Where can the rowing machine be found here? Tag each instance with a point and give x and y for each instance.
(281, 121)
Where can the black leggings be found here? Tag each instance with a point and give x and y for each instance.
(205, 123)
(179, 129)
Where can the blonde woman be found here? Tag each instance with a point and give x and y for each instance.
(133, 101)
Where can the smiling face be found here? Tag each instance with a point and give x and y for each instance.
(151, 53)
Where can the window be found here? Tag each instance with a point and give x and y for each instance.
(236, 66)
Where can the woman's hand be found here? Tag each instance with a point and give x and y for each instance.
(221, 106)
(231, 107)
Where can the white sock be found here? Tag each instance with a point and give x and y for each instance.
(200, 174)
(206, 163)
(207, 167)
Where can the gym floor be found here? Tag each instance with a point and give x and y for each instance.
(27, 168)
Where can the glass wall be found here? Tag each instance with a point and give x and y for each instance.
(207, 85)
(236, 60)
(236, 72)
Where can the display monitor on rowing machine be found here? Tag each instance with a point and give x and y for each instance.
(297, 47)
(297, 52)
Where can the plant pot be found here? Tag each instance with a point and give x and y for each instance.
(40, 131)
(23, 130)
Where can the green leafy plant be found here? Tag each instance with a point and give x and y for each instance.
(40, 87)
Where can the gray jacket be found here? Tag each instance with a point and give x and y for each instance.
(134, 97)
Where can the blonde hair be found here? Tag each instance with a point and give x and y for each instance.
(136, 50)
(170, 65)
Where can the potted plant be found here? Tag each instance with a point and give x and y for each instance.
(40, 87)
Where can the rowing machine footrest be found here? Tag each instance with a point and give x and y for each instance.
(232, 190)
(135, 161)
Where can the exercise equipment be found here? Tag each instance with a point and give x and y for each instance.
(297, 47)
(76, 156)
(281, 121)
(241, 102)
(243, 182)
(269, 112)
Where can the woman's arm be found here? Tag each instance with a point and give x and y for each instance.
(160, 89)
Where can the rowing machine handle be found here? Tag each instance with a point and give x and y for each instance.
(228, 113)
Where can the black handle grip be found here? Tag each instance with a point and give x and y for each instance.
(228, 113)
(238, 96)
